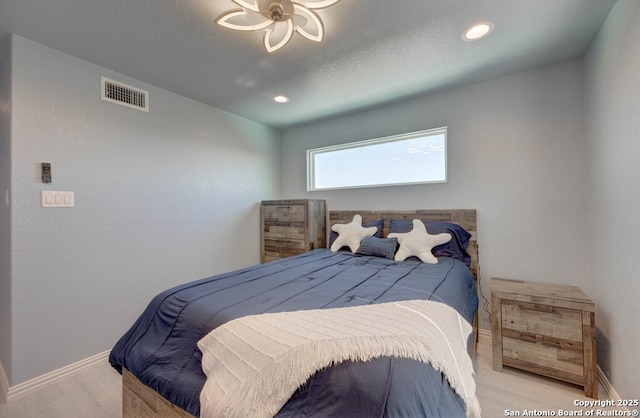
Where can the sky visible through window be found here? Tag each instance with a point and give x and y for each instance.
(413, 158)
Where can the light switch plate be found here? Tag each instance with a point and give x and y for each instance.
(52, 199)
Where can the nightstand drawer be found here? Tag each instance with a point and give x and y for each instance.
(272, 232)
(550, 321)
(290, 247)
(547, 360)
(284, 213)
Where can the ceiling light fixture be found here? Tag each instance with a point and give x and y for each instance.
(478, 31)
(281, 99)
(279, 19)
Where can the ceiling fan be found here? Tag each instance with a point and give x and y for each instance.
(279, 19)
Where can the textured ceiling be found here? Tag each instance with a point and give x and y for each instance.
(374, 51)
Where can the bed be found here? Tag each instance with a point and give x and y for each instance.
(161, 364)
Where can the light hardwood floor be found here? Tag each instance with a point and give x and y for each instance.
(96, 392)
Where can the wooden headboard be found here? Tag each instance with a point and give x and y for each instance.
(466, 218)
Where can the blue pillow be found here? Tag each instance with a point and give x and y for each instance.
(379, 247)
(378, 224)
(456, 248)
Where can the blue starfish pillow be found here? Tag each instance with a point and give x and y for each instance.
(419, 243)
(351, 234)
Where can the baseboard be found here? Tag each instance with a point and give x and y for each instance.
(4, 385)
(55, 375)
(484, 333)
(611, 391)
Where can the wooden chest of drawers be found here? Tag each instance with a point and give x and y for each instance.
(291, 227)
(545, 328)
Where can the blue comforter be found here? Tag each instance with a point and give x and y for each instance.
(160, 348)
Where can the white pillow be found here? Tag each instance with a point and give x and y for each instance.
(350, 235)
(418, 242)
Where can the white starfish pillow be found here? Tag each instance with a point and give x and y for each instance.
(418, 242)
(350, 235)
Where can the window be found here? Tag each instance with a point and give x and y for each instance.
(413, 158)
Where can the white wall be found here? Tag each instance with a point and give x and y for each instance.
(161, 198)
(516, 153)
(613, 109)
(5, 212)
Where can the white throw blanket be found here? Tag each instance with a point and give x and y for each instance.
(255, 363)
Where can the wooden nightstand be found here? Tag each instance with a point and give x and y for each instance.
(291, 227)
(545, 328)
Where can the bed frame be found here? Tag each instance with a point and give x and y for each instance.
(140, 401)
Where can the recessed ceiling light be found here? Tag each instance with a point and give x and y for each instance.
(281, 99)
(478, 31)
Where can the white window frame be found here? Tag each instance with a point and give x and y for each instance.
(312, 153)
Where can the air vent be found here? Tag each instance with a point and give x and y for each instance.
(122, 94)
